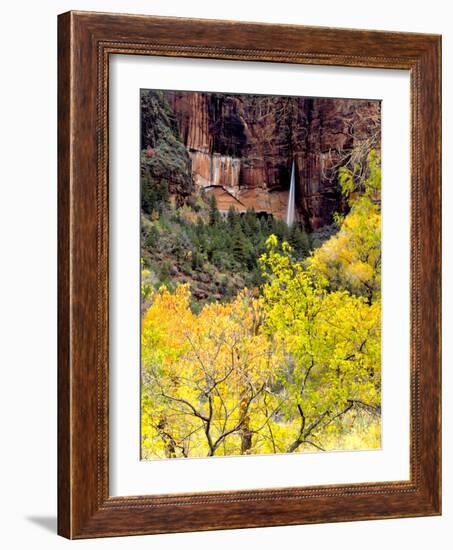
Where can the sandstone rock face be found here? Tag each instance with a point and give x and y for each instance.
(242, 146)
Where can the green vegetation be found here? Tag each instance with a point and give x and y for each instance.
(218, 254)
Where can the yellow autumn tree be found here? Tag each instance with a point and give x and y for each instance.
(351, 259)
(332, 348)
(326, 314)
(205, 377)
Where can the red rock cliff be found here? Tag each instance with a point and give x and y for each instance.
(242, 147)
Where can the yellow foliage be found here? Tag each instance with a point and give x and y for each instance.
(351, 259)
(204, 376)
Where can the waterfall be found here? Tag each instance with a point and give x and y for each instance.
(291, 198)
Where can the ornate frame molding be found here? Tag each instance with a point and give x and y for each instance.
(86, 40)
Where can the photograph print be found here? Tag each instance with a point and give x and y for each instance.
(260, 274)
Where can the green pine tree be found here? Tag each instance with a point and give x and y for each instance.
(232, 217)
(239, 245)
(214, 215)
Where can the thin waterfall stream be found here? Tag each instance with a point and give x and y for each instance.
(291, 198)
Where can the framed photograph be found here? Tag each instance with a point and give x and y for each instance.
(249, 275)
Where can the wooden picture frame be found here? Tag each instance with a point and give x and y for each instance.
(85, 42)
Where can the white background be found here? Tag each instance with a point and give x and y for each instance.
(129, 476)
(28, 276)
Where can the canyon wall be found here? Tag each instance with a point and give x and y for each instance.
(241, 148)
